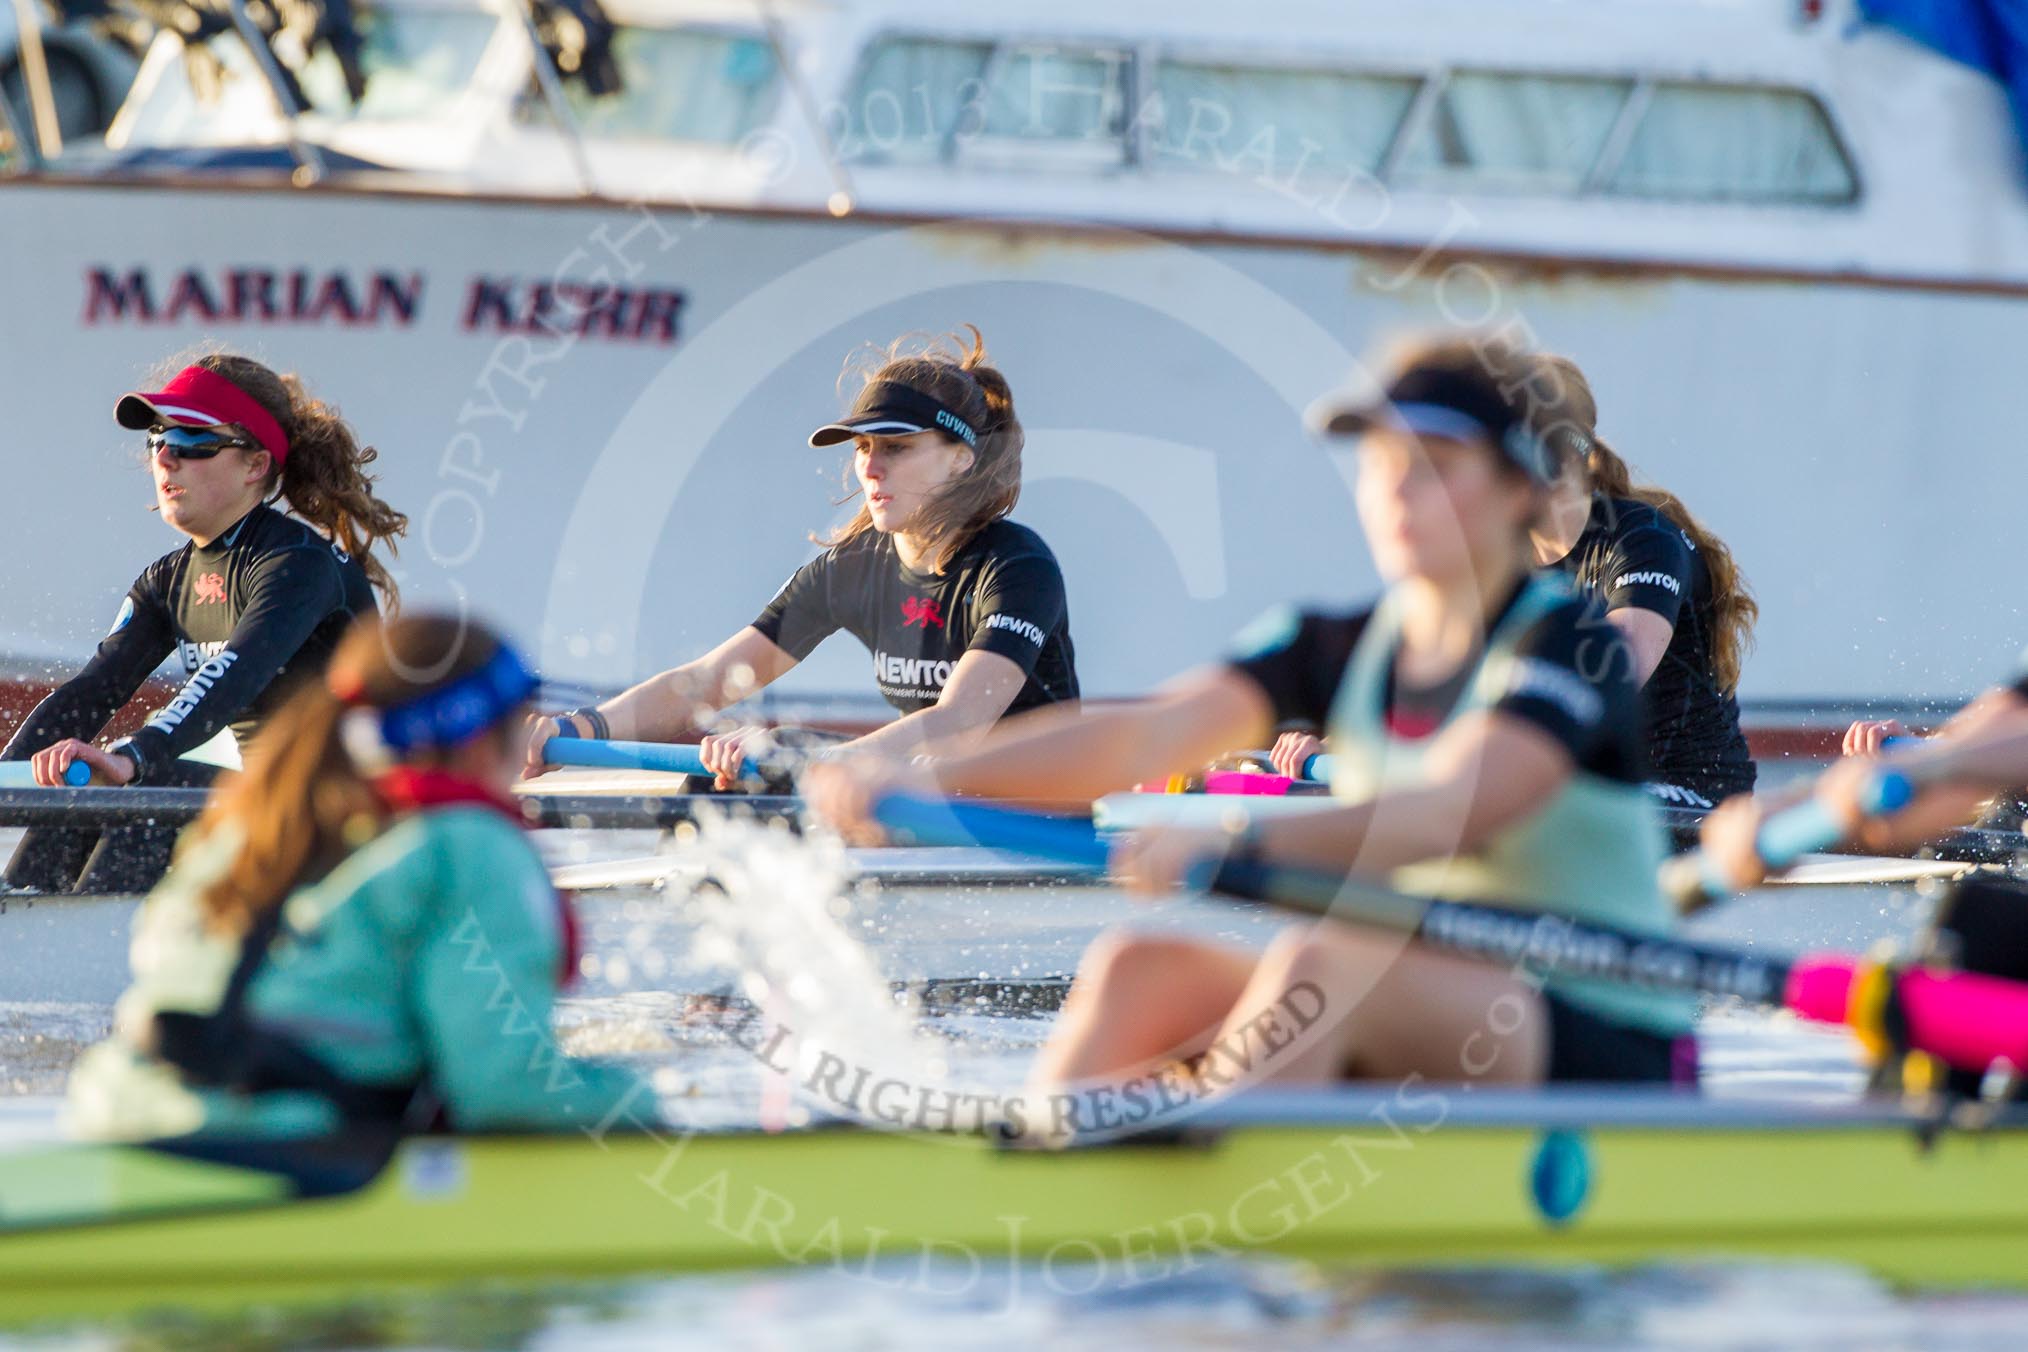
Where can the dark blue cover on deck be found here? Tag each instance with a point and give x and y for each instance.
(1987, 35)
(202, 159)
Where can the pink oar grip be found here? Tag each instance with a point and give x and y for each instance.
(1243, 781)
(1962, 1018)
(1820, 988)
(1967, 1019)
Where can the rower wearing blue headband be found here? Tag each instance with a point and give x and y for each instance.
(962, 609)
(357, 930)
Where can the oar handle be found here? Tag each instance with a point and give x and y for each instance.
(1318, 767)
(1248, 782)
(1787, 836)
(679, 758)
(1962, 1018)
(18, 775)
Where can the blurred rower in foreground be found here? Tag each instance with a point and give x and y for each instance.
(358, 929)
(1670, 587)
(1477, 753)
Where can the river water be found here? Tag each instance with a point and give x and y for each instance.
(669, 977)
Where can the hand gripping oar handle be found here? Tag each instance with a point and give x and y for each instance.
(680, 758)
(1963, 1019)
(19, 775)
(1788, 836)
(1695, 881)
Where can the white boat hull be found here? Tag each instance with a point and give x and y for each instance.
(622, 503)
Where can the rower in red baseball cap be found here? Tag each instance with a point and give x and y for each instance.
(268, 486)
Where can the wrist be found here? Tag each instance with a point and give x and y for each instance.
(588, 722)
(125, 750)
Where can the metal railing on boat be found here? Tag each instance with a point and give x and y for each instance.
(100, 807)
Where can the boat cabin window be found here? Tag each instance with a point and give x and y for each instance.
(1526, 132)
(1274, 125)
(914, 97)
(679, 84)
(922, 100)
(1066, 95)
(1017, 105)
(417, 64)
(1734, 143)
(207, 97)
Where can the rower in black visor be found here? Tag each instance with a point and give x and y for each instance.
(962, 609)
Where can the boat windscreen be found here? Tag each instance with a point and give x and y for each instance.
(416, 64)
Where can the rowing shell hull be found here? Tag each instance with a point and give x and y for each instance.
(1688, 1181)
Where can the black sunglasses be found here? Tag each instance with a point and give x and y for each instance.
(192, 443)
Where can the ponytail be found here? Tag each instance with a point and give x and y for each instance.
(291, 811)
(955, 374)
(1565, 414)
(324, 476)
(303, 802)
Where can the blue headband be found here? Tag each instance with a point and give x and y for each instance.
(457, 712)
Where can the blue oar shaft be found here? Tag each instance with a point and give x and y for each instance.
(936, 821)
(1318, 767)
(1549, 943)
(1790, 834)
(680, 758)
(1970, 1021)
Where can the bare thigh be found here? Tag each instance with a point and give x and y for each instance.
(1384, 1009)
(1140, 1001)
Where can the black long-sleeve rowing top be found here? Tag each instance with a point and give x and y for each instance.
(253, 612)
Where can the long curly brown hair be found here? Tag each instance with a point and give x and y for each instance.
(955, 374)
(1566, 411)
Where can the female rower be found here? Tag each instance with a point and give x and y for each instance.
(1478, 755)
(357, 929)
(1672, 589)
(963, 609)
(1672, 592)
(253, 600)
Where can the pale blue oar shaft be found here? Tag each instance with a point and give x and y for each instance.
(678, 758)
(17, 775)
(1794, 832)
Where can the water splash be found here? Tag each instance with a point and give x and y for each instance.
(781, 911)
